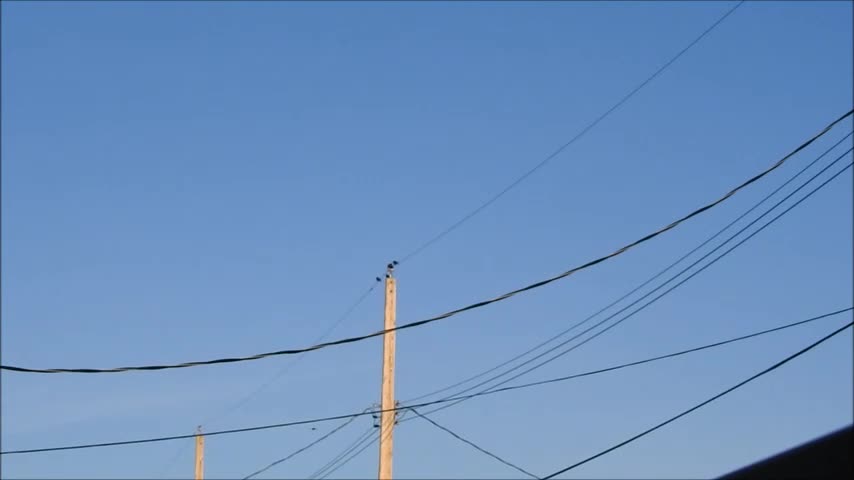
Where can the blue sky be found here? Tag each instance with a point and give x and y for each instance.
(186, 181)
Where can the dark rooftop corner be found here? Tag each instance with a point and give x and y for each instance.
(825, 457)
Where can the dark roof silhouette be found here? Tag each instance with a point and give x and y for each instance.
(826, 457)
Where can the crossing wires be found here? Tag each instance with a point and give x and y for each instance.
(666, 292)
(473, 306)
(434, 402)
(642, 284)
(662, 285)
(473, 445)
(704, 403)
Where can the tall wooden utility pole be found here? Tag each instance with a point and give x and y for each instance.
(387, 417)
(200, 454)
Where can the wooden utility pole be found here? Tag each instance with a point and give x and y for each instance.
(200, 454)
(387, 404)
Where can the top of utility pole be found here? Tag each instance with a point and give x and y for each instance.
(200, 454)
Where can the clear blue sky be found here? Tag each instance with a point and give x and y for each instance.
(186, 181)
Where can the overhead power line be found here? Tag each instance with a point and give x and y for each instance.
(637, 288)
(297, 452)
(586, 129)
(366, 435)
(347, 457)
(451, 313)
(663, 357)
(335, 460)
(580, 134)
(287, 367)
(300, 450)
(245, 399)
(361, 439)
(465, 218)
(666, 292)
(358, 452)
(350, 453)
(473, 445)
(424, 404)
(704, 403)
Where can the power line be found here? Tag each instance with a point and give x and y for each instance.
(350, 448)
(586, 129)
(473, 445)
(668, 281)
(704, 403)
(346, 314)
(664, 357)
(298, 451)
(424, 404)
(657, 275)
(639, 287)
(329, 464)
(577, 136)
(287, 367)
(573, 140)
(683, 281)
(343, 458)
(357, 453)
(537, 167)
(457, 224)
(350, 458)
(281, 372)
(697, 272)
(554, 154)
(645, 283)
(451, 313)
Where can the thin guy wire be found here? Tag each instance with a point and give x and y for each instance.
(578, 136)
(473, 445)
(704, 403)
(560, 354)
(424, 404)
(637, 288)
(451, 313)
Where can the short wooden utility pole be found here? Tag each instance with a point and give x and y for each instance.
(387, 404)
(200, 454)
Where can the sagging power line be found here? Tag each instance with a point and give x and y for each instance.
(458, 311)
(655, 299)
(638, 287)
(435, 402)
